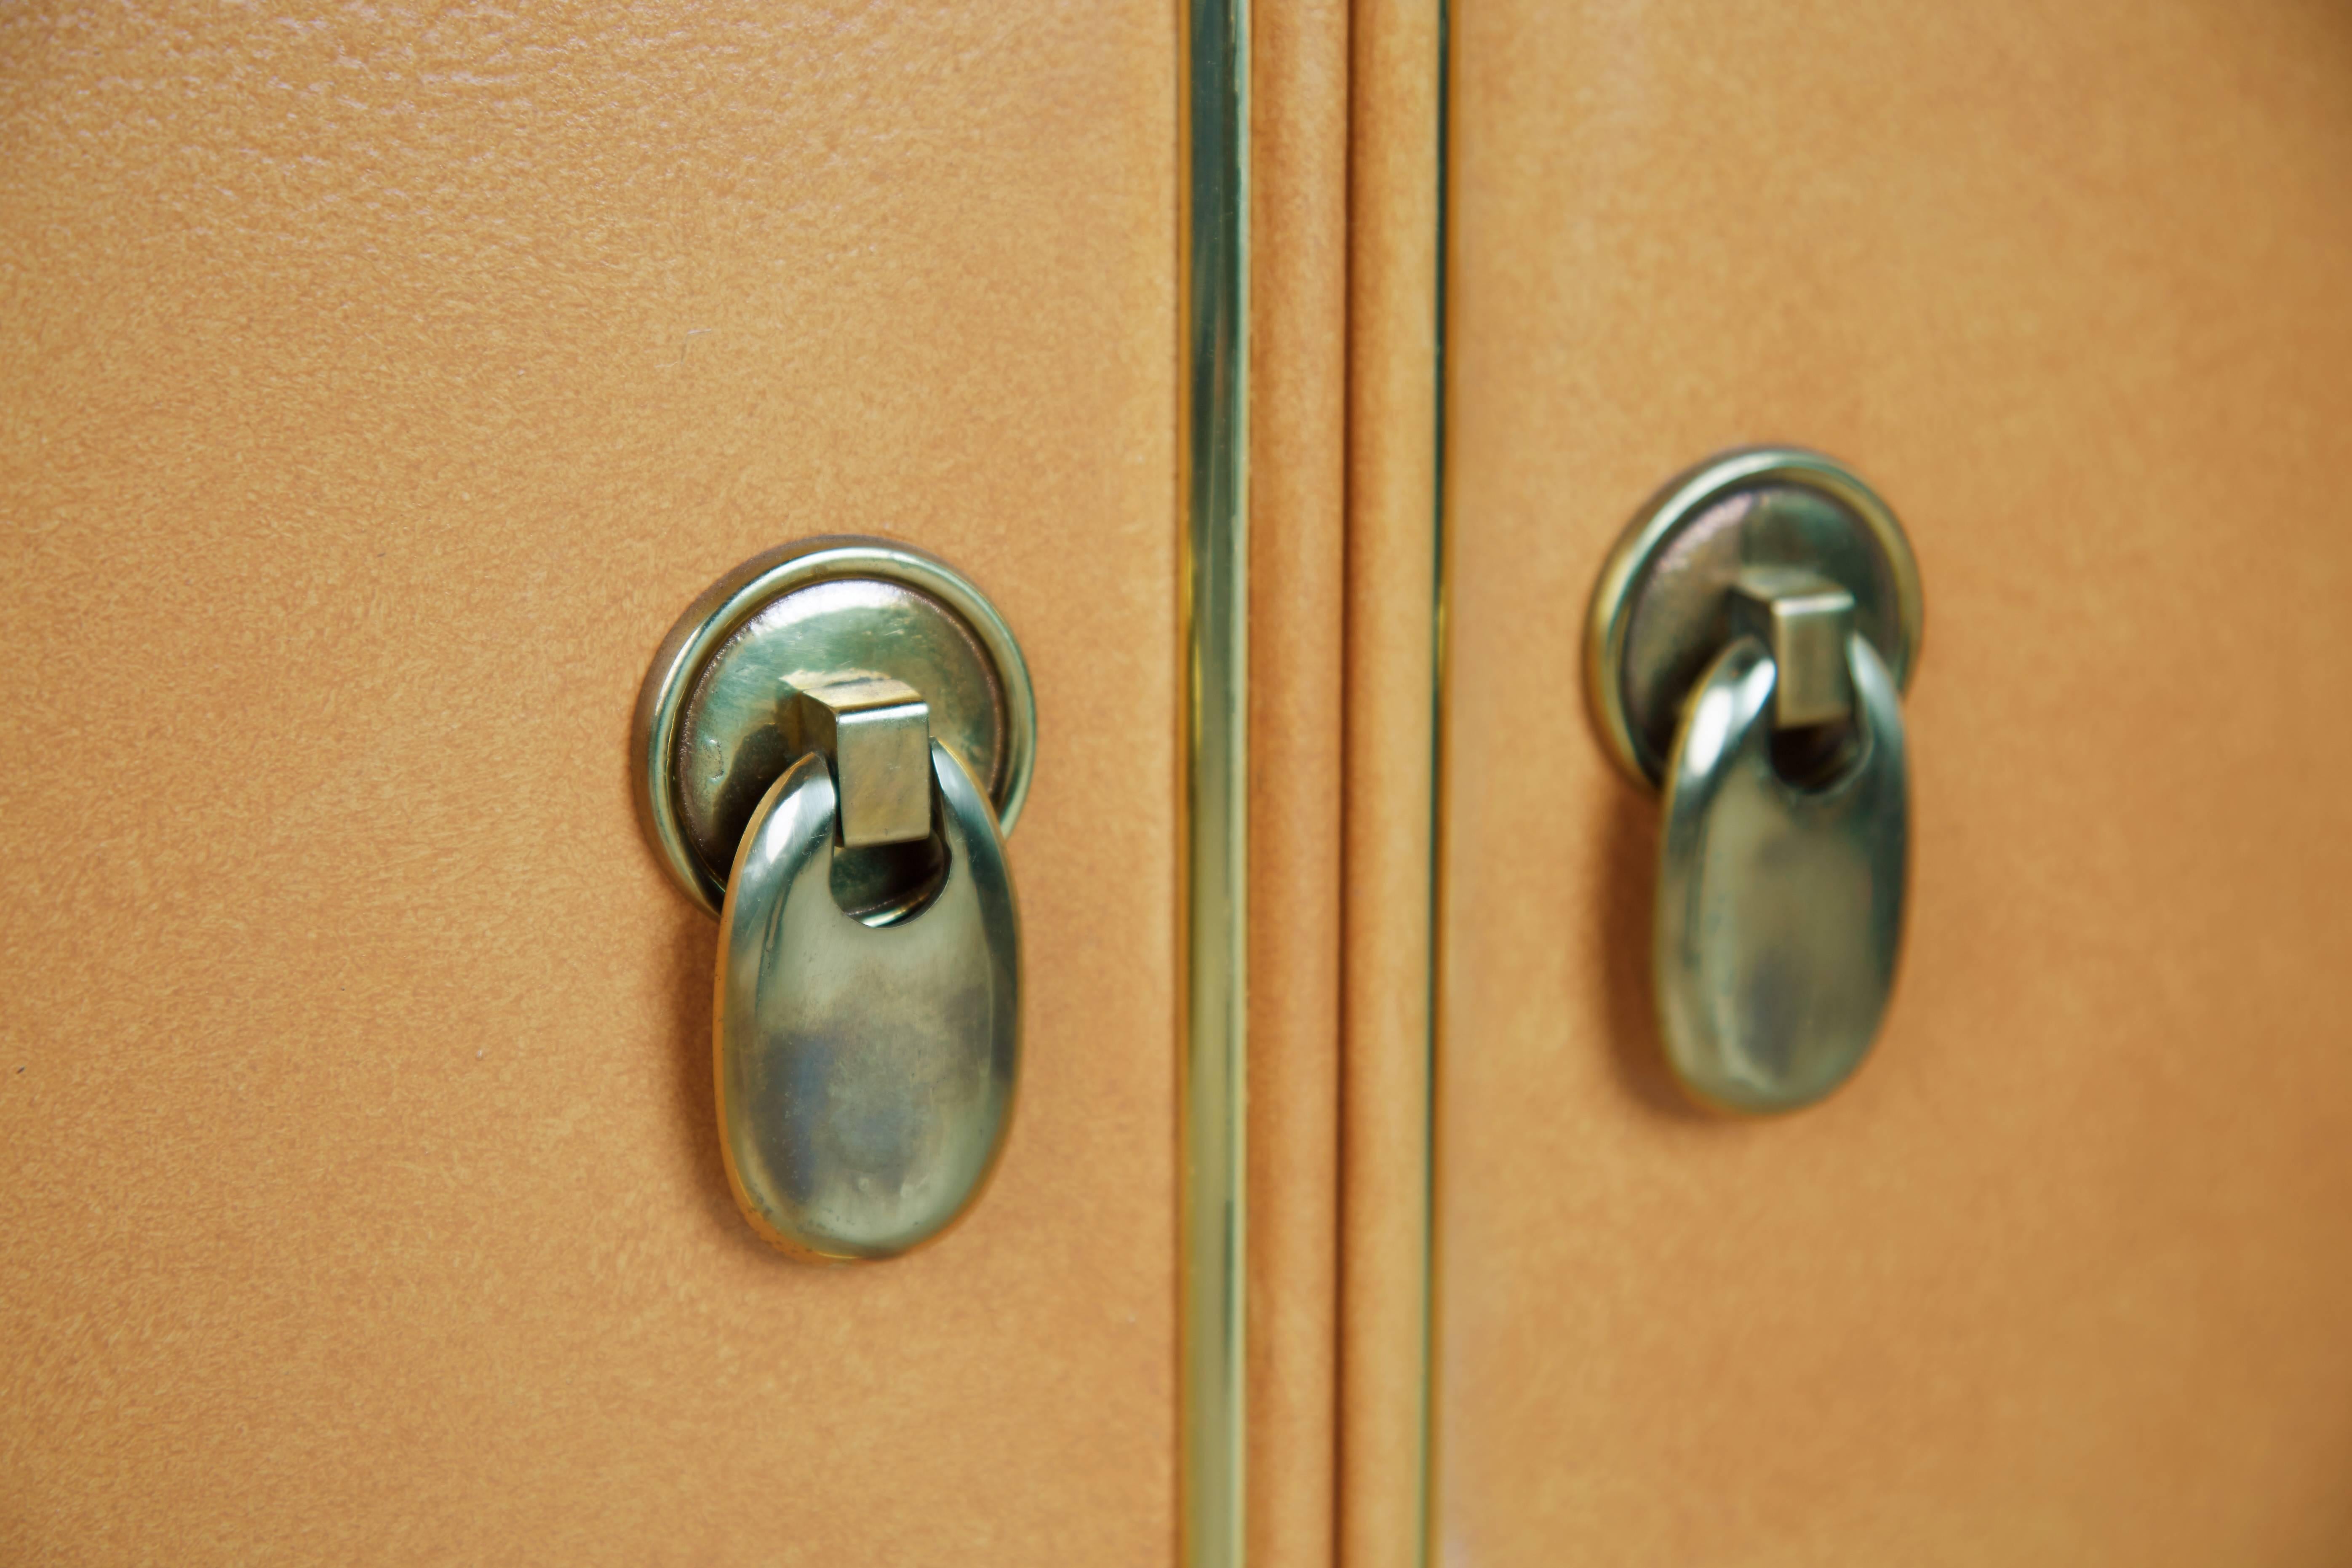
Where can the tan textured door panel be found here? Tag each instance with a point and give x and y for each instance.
(376, 387)
(2064, 1276)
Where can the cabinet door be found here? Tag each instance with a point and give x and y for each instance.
(379, 386)
(2064, 1275)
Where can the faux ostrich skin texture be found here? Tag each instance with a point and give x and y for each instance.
(376, 387)
(2064, 1275)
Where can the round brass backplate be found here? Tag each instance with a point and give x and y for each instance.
(1661, 610)
(708, 744)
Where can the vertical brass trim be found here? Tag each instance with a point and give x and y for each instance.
(1215, 447)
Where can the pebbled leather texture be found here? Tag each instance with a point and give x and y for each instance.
(1297, 477)
(1396, 111)
(2061, 1275)
(375, 387)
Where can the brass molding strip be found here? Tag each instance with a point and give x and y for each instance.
(1214, 445)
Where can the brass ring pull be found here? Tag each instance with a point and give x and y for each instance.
(830, 739)
(1758, 618)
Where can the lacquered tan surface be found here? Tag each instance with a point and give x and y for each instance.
(2064, 1275)
(376, 393)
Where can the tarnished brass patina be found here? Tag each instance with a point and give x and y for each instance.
(1780, 907)
(1803, 620)
(1746, 651)
(1663, 607)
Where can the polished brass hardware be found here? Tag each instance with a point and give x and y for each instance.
(1212, 1246)
(866, 1073)
(1780, 906)
(1660, 611)
(877, 733)
(1746, 650)
(710, 740)
(830, 741)
(1802, 621)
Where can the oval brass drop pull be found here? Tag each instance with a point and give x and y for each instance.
(1747, 645)
(832, 742)
(866, 1072)
(1779, 905)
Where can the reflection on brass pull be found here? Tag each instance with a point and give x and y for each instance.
(1748, 644)
(866, 1072)
(829, 741)
(878, 735)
